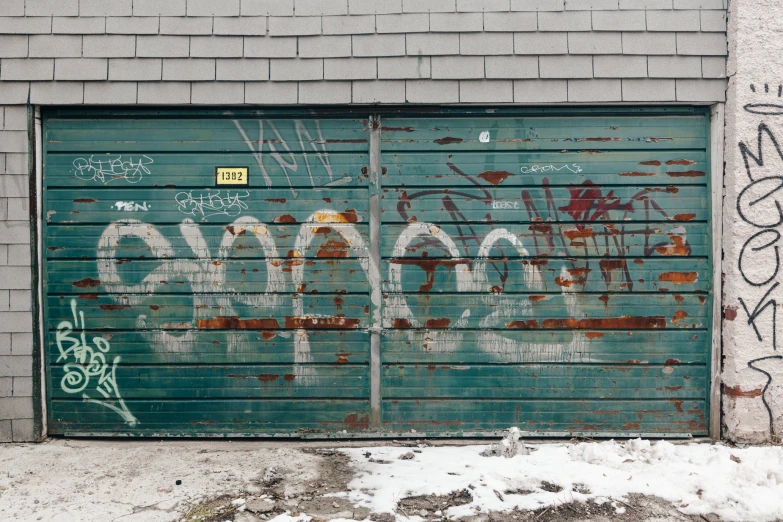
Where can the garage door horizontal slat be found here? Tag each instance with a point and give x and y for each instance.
(246, 381)
(205, 135)
(515, 275)
(683, 416)
(86, 241)
(250, 276)
(512, 169)
(584, 205)
(216, 205)
(598, 239)
(544, 134)
(543, 382)
(219, 416)
(234, 347)
(115, 171)
(212, 312)
(345, 275)
(553, 346)
(240, 347)
(571, 311)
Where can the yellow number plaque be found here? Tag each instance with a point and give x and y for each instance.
(231, 176)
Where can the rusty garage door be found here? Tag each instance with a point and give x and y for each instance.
(441, 273)
(179, 302)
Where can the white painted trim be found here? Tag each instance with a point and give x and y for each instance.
(717, 112)
(39, 235)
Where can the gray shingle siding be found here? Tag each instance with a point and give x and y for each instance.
(16, 320)
(151, 41)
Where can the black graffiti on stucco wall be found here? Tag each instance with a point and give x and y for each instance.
(768, 109)
(758, 205)
(762, 305)
(765, 392)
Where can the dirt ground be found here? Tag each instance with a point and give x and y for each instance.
(211, 481)
(335, 473)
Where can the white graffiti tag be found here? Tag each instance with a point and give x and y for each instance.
(206, 276)
(111, 168)
(88, 363)
(131, 206)
(476, 280)
(285, 158)
(533, 169)
(204, 205)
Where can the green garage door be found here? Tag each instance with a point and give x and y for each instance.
(292, 274)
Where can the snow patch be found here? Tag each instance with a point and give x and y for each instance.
(736, 484)
(288, 517)
(508, 447)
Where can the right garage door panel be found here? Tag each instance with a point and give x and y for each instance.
(551, 273)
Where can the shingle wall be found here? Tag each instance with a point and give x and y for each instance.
(320, 52)
(385, 51)
(16, 342)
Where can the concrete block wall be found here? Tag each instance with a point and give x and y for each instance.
(16, 322)
(267, 52)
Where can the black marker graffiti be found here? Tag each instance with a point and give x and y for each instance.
(759, 159)
(760, 248)
(768, 109)
(753, 365)
(761, 193)
(760, 307)
(758, 205)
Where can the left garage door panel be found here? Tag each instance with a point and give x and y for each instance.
(176, 306)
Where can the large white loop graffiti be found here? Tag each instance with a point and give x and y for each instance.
(210, 288)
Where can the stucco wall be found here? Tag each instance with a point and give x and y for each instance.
(752, 351)
(261, 52)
